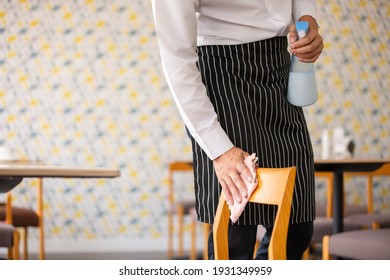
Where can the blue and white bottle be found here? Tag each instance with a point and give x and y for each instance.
(302, 84)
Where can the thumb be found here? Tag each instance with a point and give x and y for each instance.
(293, 36)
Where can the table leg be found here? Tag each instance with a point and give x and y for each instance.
(41, 219)
(338, 202)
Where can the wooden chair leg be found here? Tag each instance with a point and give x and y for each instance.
(370, 199)
(193, 240)
(306, 254)
(13, 252)
(40, 215)
(257, 245)
(41, 244)
(325, 248)
(206, 232)
(25, 243)
(10, 253)
(16, 245)
(375, 225)
(180, 216)
(170, 237)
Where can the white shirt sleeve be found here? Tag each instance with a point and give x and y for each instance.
(176, 31)
(304, 7)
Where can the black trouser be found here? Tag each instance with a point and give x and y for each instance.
(242, 240)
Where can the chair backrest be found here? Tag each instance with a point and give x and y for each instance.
(177, 166)
(384, 170)
(275, 187)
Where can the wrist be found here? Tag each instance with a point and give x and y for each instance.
(223, 154)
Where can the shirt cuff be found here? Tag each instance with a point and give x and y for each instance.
(215, 143)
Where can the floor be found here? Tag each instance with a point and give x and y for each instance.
(105, 256)
(108, 256)
(101, 256)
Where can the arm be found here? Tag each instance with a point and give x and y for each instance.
(310, 47)
(176, 29)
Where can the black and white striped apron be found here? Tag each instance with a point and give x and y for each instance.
(247, 85)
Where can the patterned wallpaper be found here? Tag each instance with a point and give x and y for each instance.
(82, 85)
(354, 79)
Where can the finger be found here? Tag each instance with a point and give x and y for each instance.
(236, 194)
(310, 56)
(311, 60)
(243, 169)
(301, 43)
(310, 37)
(228, 194)
(293, 36)
(246, 173)
(240, 185)
(308, 52)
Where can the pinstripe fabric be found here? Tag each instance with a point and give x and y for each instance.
(247, 85)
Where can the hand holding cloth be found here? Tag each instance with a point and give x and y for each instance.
(237, 208)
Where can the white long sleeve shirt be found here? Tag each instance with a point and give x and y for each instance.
(182, 25)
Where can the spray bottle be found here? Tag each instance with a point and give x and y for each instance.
(302, 84)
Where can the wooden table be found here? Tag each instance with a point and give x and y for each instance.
(340, 166)
(12, 173)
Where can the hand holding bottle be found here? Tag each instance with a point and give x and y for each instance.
(310, 47)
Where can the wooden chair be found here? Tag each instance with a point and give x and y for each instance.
(323, 225)
(179, 208)
(9, 236)
(371, 219)
(24, 218)
(276, 187)
(366, 244)
(363, 242)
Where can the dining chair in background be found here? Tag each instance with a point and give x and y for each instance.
(371, 219)
(368, 244)
(276, 187)
(23, 218)
(353, 217)
(9, 235)
(357, 226)
(178, 208)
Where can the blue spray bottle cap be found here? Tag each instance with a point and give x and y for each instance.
(302, 28)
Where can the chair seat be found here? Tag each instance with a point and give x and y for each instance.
(6, 235)
(21, 217)
(366, 220)
(187, 204)
(324, 226)
(373, 244)
(8, 183)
